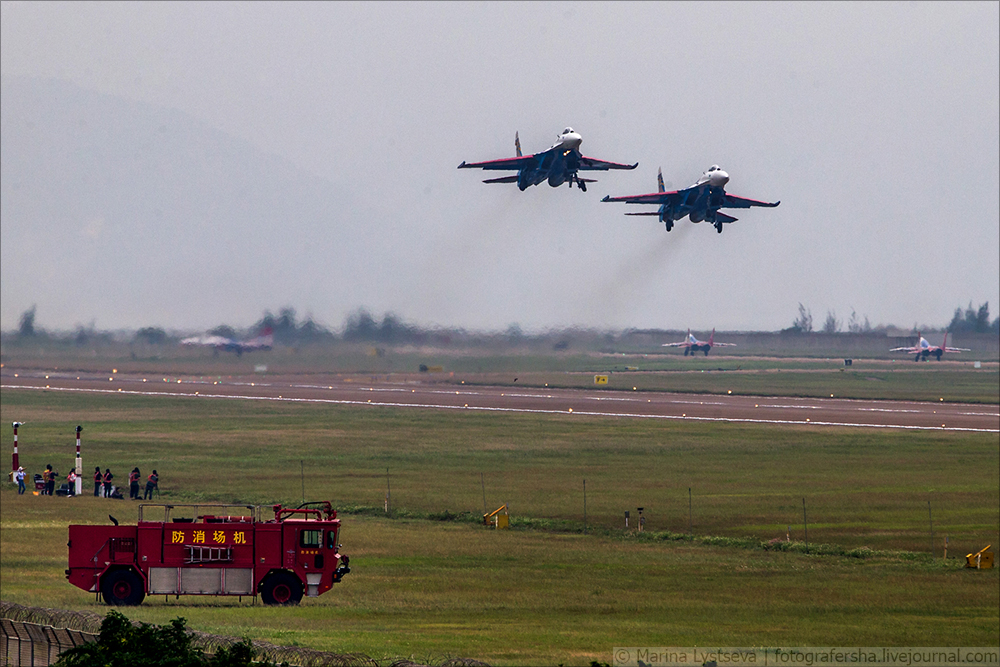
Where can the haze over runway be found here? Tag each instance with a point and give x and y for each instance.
(185, 165)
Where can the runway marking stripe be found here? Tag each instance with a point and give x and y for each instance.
(332, 401)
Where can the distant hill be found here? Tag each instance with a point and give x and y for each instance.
(128, 212)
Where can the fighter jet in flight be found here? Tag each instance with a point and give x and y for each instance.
(924, 350)
(264, 341)
(701, 201)
(558, 164)
(692, 344)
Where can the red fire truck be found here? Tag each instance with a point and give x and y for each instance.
(236, 553)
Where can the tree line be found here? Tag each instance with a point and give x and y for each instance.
(362, 326)
(969, 320)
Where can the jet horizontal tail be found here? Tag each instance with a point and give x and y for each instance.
(502, 179)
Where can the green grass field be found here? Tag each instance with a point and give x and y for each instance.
(543, 593)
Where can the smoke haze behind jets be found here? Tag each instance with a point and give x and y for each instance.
(186, 165)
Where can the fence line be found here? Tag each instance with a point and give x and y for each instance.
(29, 637)
(29, 644)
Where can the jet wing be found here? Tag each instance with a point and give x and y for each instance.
(593, 164)
(652, 198)
(905, 349)
(732, 201)
(680, 344)
(510, 163)
(208, 340)
(957, 349)
(723, 344)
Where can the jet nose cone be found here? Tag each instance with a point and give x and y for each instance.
(571, 139)
(722, 177)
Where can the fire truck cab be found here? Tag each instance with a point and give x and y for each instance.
(235, 553)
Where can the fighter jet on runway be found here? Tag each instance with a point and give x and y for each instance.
(692, 344)
(264, 341)
(701, 201)
(559, 164)
(924, 349)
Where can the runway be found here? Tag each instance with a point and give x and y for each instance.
(420, 391)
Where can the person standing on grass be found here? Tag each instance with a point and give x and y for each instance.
(50, 480)
(107, 482)
(71, 478)
(151, 483)
(133, 484)
(19, 478)
(98, 479)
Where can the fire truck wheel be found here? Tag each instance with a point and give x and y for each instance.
(281, 588)
(122, 587)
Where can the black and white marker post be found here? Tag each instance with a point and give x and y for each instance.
(79, 464)
(14, 464)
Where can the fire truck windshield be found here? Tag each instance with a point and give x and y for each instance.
(312, 539)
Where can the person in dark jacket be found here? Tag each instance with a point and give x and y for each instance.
(50, 480)
(108, 477)
(151, 483)
(133, 484)
(98, 479)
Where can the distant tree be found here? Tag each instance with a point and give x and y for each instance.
(360, 326)
(151, 336)
(831, 324)
(392, 329)
(983, 318)
(26, 327)
(285, 324)
(856, 326)
(971, 320)
(804, 322)
(310, 332)
(514, 333)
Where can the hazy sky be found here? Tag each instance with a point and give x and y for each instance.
(876, 125)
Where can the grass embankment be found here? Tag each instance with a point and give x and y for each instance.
(873, 382)
(428, 588)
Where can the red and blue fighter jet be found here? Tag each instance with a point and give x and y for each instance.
(924, 350)
(701, 201)
(692, 344)
(559, 164)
